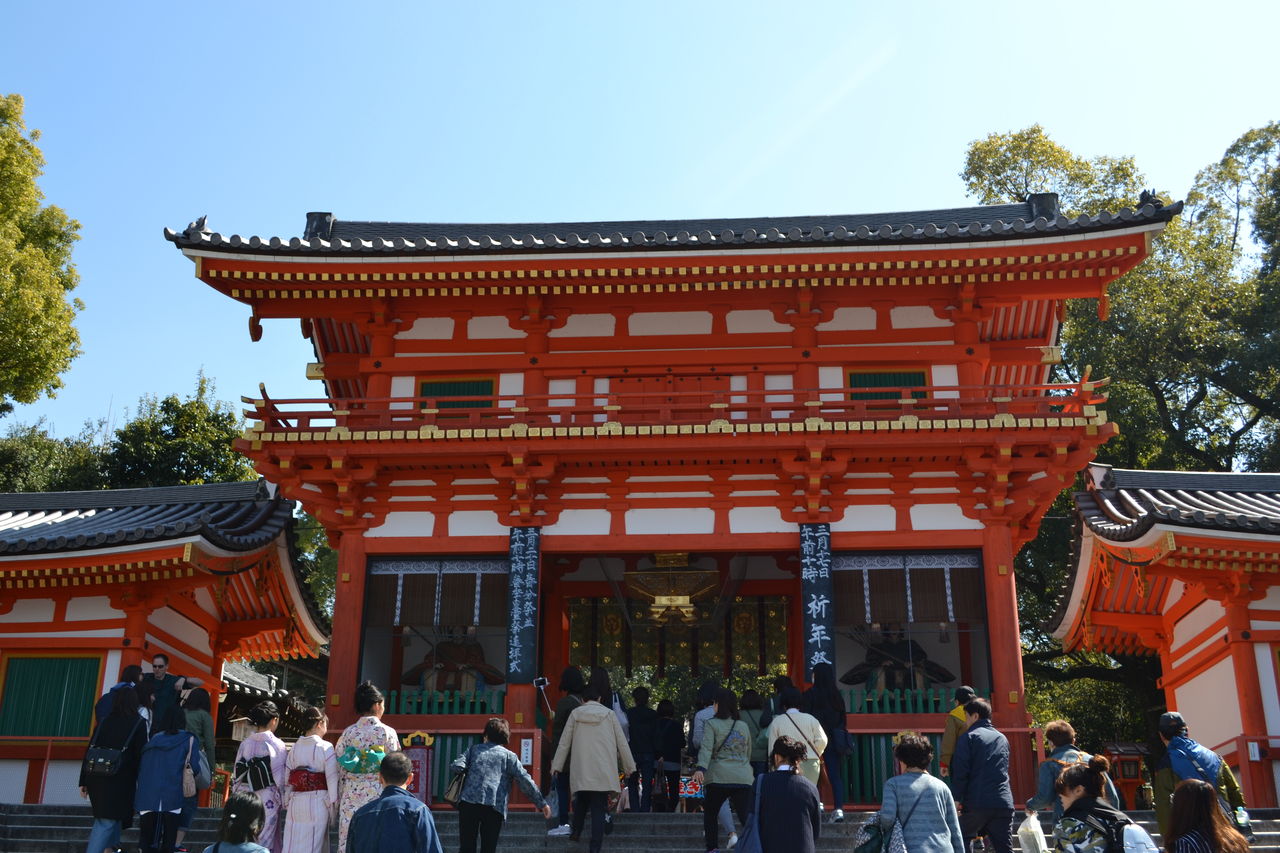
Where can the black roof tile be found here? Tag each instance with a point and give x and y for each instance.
(233, 516)
(324, 234)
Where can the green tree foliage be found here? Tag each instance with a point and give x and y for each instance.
(318, 561)
(31, 460)
(176, 441)
(1189, 342)
(37, 337)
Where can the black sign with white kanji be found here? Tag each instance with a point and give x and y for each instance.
(522, 635)
(816, 593)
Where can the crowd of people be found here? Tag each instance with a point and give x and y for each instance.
(760, 759)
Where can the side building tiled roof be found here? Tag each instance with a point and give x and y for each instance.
(1038, 216)
(1122, 505)
(232, 516)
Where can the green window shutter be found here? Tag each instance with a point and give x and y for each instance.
(906, 379)
(459, 388)
(49, 697)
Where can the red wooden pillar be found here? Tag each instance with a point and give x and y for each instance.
(348, 612)
(1004, 641)
(1258, 781)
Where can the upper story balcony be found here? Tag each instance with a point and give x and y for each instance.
(1070, 407)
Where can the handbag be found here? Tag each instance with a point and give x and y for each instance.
(822, 765)
(872, 838)
(453, 792)
(842, 742)
(749, 839)
(103, 760)
(188, 777)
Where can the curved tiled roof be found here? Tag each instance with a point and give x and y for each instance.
(1037, 217)
(232, 516)
(1122, 505)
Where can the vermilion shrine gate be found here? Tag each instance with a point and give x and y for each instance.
(606, 442)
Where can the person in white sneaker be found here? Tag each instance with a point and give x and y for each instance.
(572, 683)
(824, 702)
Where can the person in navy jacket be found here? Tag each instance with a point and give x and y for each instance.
(396, 822)
(158, 798)
(980, 779)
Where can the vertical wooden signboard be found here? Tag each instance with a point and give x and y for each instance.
(816, 593)
(524, 549)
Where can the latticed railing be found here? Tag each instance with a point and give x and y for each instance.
(932, 700)
(446, 702)
(718, 411)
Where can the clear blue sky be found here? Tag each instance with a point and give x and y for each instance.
(255, 113)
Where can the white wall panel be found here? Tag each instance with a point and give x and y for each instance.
(850, 320)
(916, 317)
(670, 323)
(859, 519)
(92, 607)
(670, 521)
(29, 610)
(760, 519)
(404, 524)
(13, 780)
(580, 522)
(1192, 624)
(942, 517)
(428, 329)
(491, 328)
(586, 326)
(753, 322)
(1210, 720)
(174, 623)
(476, 523)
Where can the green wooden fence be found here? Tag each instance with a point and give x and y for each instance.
(443, 752)
(932, 700)
(871, 763)
(446, 702)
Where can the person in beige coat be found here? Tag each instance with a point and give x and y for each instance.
(804, 728)
(595, 751)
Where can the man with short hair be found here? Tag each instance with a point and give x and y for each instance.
(1186, 759)
(1062, 736)
(980, 779)
(954, 728)
(167, 686)
(396, 822)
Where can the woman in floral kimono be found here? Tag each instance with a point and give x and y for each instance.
(260, 767)
(313, 788)
(360, 751)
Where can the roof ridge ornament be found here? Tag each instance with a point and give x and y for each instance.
(1150, 197)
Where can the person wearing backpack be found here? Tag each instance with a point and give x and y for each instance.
(1089, 824)
(1064, 754)
(1186, 759)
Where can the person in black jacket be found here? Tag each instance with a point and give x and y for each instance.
(980, 779)
(670, 747)
(642, 737)
(112, 796)
(824, 702)
(790, 819)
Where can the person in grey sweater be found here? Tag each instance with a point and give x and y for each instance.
(921, 803)
(490, 769)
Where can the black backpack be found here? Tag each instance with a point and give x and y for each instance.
(1112, 830)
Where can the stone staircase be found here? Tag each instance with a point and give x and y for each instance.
(65, 829)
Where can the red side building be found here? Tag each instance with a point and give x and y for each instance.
(675, 448)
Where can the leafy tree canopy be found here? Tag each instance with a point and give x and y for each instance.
(37, 337)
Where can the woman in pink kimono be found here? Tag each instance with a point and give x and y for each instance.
(360, 751)
(260, 767)
(312, 795)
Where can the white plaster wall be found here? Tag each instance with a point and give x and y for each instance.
(562, 386)
(850, 320)
(62, 784)
(668, 521)
(491, 328)
(475, 523)
(402, 386)
(510, 385)
(778, 381)
(1270, 602)
(1267, 684)
(667, 478)
(670, 323)
(586, 326)
(758, 322)
(941, 517)
(1210, 719)
(944, 375)
(428, 329)
(831, 376)
(13, 780)
(171, 621)
(93, 607)
(97, 633)
(404, 524)
(110, 670)
(759, 519)
(1193, 623)
(29, 610)
(580, 522)
(859, 519)
(916, 317)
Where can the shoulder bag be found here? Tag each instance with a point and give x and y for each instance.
(749, 839)
(453, 793)
(872, 837)
(822, 765)
(103, 760)
(188, 775)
